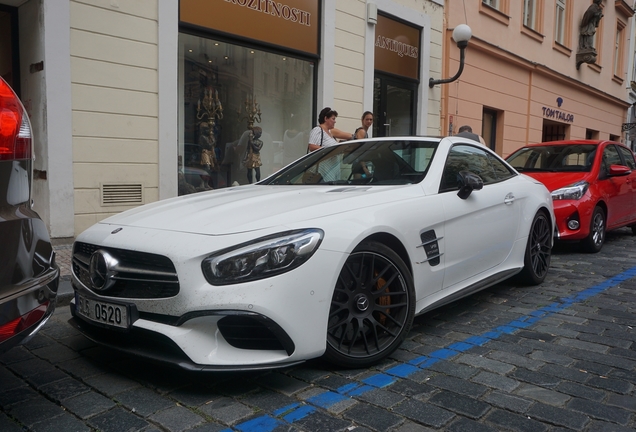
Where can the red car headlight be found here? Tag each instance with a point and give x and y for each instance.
(572, 192)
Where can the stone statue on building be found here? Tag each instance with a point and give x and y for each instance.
(589, 24)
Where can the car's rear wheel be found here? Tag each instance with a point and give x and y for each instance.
(595, 239)
(372, 307)
(536, 260)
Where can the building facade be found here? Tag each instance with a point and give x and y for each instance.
(136, 101)
(539, 70)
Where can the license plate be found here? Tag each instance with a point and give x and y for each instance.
(111, 314)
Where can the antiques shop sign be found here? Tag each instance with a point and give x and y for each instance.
(397, 48)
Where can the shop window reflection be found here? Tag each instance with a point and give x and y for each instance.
(218, 91)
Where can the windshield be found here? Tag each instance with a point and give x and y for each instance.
(381, 162)
(555, 158)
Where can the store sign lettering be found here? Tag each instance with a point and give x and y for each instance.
(400, 48)
(276, 9)
(558, 115)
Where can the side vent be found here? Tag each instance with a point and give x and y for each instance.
(122, 194)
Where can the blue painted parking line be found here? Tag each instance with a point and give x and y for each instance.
(325, 400)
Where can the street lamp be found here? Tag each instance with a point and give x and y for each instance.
(461, 36)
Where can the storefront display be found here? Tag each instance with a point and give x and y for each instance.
(227, 90)
(260, 74)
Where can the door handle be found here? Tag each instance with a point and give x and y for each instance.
(388, 126)
(509, 199)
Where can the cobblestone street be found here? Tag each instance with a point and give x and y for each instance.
(559, 356)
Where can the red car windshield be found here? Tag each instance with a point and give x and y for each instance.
(553, 158)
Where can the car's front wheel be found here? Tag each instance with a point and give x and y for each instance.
(595, 239)
(536, 261)
(372, 307)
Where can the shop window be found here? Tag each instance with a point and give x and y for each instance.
(553, 131)
(591, 134)
(615, 138)
(225, 100)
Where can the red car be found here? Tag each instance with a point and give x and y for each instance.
(593, 185)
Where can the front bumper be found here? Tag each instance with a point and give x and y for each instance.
(267, 323)
(564, 211)
(158, 344)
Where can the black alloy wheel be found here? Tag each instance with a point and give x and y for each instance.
(595, 240)
(536, 261)
(372, 308)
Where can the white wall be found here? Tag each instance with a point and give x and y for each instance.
(115, 97)
(44, 37)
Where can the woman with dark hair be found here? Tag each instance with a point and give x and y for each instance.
(321, 135)
(363, 131)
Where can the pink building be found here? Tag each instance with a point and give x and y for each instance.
(538, 70)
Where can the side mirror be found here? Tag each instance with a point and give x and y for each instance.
(468, 182)
(619, 170)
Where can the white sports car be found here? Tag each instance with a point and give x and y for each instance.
(331, 256)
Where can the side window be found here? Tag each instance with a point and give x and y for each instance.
(501, 170)
(467, 158)
(628, 156)
(610, 157)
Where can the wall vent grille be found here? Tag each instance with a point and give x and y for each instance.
(122, 194)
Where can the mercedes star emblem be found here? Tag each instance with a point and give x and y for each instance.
(103, 266)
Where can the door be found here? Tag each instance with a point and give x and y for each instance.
(630, 163)
(480, 231)
(616, 189)
(394, 106)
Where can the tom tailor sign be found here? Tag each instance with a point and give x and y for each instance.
(558, 115)
(292, 24)
(397, 48)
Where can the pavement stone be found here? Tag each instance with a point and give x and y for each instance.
(177, 419)
(88, 404)
(143, 401)
(9, 425)
(374, 419)
(65, 422)
(117, 420)
(572, 369)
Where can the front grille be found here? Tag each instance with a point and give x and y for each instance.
(141, 275)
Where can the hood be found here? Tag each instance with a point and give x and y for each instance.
(557, 180)
(252, 207)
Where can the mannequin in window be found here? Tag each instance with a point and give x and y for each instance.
(252, 158)
(207, 143)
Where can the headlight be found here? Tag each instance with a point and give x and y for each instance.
(261, 258)
(573, 192)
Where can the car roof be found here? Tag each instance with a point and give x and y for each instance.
(572, 142)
